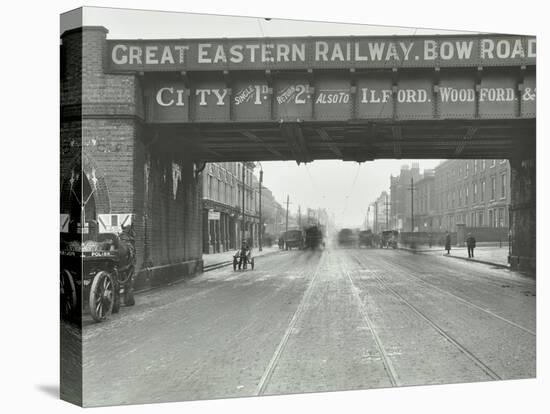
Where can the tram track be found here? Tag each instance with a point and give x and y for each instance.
(460, 347)
(388, 365)
(237, 337)
(272, 365)
(305, 302)
(460, 299)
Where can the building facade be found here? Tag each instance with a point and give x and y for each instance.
(475, 193)
(223, 189)
(401, 196)
(273, 215)
(381, 213)
(424, 202)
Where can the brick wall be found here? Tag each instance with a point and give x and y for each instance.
(523, 213)
(104, 135)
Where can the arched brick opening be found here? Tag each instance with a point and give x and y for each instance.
(94, 177)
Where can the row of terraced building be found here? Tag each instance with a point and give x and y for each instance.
(472, 193)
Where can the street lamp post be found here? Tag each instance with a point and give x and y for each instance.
(261, 229)
(412, 213)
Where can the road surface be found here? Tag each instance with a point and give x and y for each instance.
(304, 321)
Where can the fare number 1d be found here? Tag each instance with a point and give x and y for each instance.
(170, 96)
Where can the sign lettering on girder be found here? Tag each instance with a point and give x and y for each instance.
(320, 53)
(452, 94)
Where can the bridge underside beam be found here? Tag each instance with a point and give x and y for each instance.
(307, 141)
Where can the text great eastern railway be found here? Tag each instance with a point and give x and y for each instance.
(213, 54)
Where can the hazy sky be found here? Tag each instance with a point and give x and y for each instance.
(346, 188)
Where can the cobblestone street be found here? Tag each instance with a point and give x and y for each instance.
(307, 321)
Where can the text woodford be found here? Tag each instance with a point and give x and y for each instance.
(169, 96)
(490, 49)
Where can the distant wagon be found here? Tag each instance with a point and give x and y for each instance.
(314, 237)
(293, 239)
(389, 239)
(365, 238)
(346, 238)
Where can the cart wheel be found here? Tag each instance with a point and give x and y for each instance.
(102, 296)
(252, 263)
(68, 294)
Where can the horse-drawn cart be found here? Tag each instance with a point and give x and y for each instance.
(96, 273)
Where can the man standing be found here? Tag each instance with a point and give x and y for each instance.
(448, 242)
(471, 244)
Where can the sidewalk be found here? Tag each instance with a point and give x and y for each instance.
(215, 259)
(488, 254)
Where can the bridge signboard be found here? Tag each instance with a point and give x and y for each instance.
(319, 53)
(329, 97)
(334, 78)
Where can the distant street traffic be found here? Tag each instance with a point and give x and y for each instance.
(308, 321)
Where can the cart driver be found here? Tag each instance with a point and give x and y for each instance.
(243, 254)
(127, 257)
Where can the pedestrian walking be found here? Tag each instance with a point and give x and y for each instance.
(471, 244)
(448, 242)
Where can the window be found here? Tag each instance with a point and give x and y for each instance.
(466, 196)
(482, 165)
(482, 195)
(474, 197)
(210, 187)
(473, 220)
(493, 187)
(480, 219)
(467, 168)
(491, 224)
(459, 197)
(503, 185)
(501, 220)
(493, 163)
(475, 166)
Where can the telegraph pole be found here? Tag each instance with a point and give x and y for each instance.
(376, 216)
(286, 224)
(387, 204)
(412, 205)
(244, 215)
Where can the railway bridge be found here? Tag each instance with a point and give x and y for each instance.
(139, 119)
